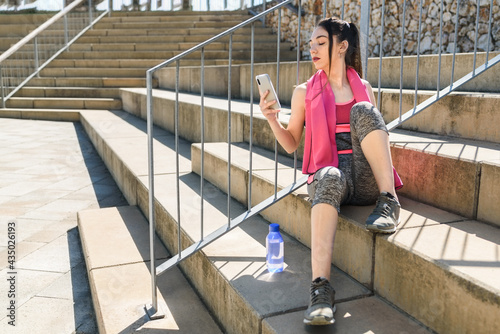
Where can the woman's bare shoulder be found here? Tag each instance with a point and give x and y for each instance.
(366, 83)
(300, 89)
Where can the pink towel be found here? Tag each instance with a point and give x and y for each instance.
(320, 147)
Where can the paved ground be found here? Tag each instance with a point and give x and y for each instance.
(48, 172)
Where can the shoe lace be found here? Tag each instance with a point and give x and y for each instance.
(320, 295)
(382, 208)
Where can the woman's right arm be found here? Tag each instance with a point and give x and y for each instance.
(290, 137)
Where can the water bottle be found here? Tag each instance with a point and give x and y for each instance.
(275, 249)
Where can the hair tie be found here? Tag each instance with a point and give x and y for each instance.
(348, 25)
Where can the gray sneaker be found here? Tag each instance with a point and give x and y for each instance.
(322, 304)
(385, 216)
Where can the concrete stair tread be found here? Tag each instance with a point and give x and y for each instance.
(116, 249)
(98, 82)
(95, 92)
(64, 103)
(458, 148)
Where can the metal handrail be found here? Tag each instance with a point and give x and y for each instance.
(33, 36)
(38, 30)
(217, 37)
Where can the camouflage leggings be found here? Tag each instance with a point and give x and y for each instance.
(353, 181)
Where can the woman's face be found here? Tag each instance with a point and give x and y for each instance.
(319, 45)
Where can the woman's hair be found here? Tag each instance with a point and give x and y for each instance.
(345, 32)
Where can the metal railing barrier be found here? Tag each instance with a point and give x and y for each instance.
(364, 18)
(24, 60)
(153, 310)
(454, 84)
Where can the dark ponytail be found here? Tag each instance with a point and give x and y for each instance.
(353, 54)
(345, 32)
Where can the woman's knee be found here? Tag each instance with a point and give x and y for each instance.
(329, 186)
(362, 110)
(366, 118)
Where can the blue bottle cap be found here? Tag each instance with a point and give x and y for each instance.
(274, 228)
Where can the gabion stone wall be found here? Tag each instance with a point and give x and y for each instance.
(429, 41)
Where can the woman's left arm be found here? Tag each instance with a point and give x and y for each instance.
(370, 92)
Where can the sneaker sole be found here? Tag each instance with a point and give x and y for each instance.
(320, 321)
(374, 228)
(377, 229)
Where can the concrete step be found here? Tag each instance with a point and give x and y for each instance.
(435, 264)
(429, 165)
(98, 37)
(155, 31)
(181, 15)
(221, 17)
(141, 45)
(69, 92)
(115, 243)
(102, 63)
(82, 72)
(467, 171)
(15, 18)
(90, 82)
(466, 115)
(63, 103)
(127, 63)
(155, 24)
(170, 46)
(66, 115)
(233, 267)
(260, 55)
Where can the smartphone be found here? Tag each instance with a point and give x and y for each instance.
(264, 83)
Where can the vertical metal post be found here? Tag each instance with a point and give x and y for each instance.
(418, 57)
(381, 54)
(250, 144)
(1, 87)
(229, 132)
(299, 31)
(202, 118)
(66, 30)
(478, 5)
(342, 13)
(489, 34)
(455, 48)
(324, 8)
(365, 30)
(177, 176)
(440, 47)
(36, 53)
(153, 310)
(264, 9)
(401, 63)
(149, 106)
(278, 93)
(91, 18)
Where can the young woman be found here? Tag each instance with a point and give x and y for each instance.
(346, 151)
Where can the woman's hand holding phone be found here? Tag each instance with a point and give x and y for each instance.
(269, 108)
(265, 106)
